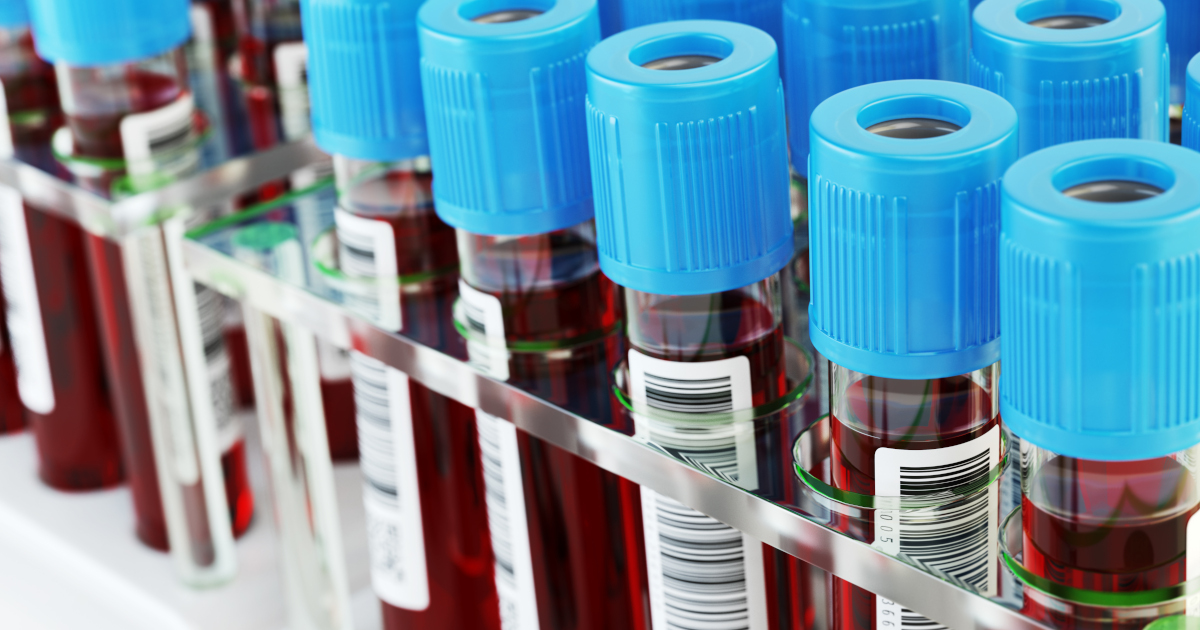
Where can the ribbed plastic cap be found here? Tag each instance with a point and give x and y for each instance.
(763, 14)
(13, 13)
(1103, 81)
(505, 103)
(904, 209)
(689, 165)
(1100, 303)
(100, 32)
(1183, 39)
(834, 45)
(1191, 113)
(364, 78)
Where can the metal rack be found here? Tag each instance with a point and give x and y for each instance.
(781, 526)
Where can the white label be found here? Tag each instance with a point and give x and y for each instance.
(314, 211)
(156, 141)
(396, 534)
(703, 573)
(210, 306)
(700, 387)
(291, 75)
(7, 147)
(483, 315)
(367, 251)
(507, 523)
(26, 334)
(957, 540)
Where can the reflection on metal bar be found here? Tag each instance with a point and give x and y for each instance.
(775, 525)
(118, 219)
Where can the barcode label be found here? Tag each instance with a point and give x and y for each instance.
(210, 306)
(156, 141)
(704, 574)
(507, 523)
(396, 535)
(291, 76)
(483, 315)
(701, 387)
(956, 540)
(367, 251)
(24, 313)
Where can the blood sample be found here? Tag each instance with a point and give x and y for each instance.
(698, 252)
(913, 351)
(1183, 42)
(424, 493)
(1109, 482)
(1070, 73)
(273, 70)
(1191, 113)
(126, 102)
(534, 307)
(210, 51)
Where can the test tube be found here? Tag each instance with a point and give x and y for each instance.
(209, 53)
(29, 104)
(1190, 121)
(59, 370)
(689, 159)
(533, 305)
(1096, 255)
(431, 555)
(273, 70)
(905, 216)
(1076, 71)
(1183, 42)
(123, 83)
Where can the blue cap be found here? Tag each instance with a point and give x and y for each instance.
(689, 166)
(1106, 81)
(13, 13)
(101, 32)
(902, 231)
(1100, 303)
(763, 14)
(1191, 113)
(834, 45)
(507, 129)
(1183, 39)
(364, 78)
(610, 17)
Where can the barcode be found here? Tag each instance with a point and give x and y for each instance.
(954, 539)
(387, 455)
(505, 500)
(367, 251)
(706, 570)
(704, 574)
(487, 347)
(24, 312)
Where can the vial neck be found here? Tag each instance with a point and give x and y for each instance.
(379, 189)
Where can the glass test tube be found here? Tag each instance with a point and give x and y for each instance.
(913, 354)
(133, 125)
(419, 449)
